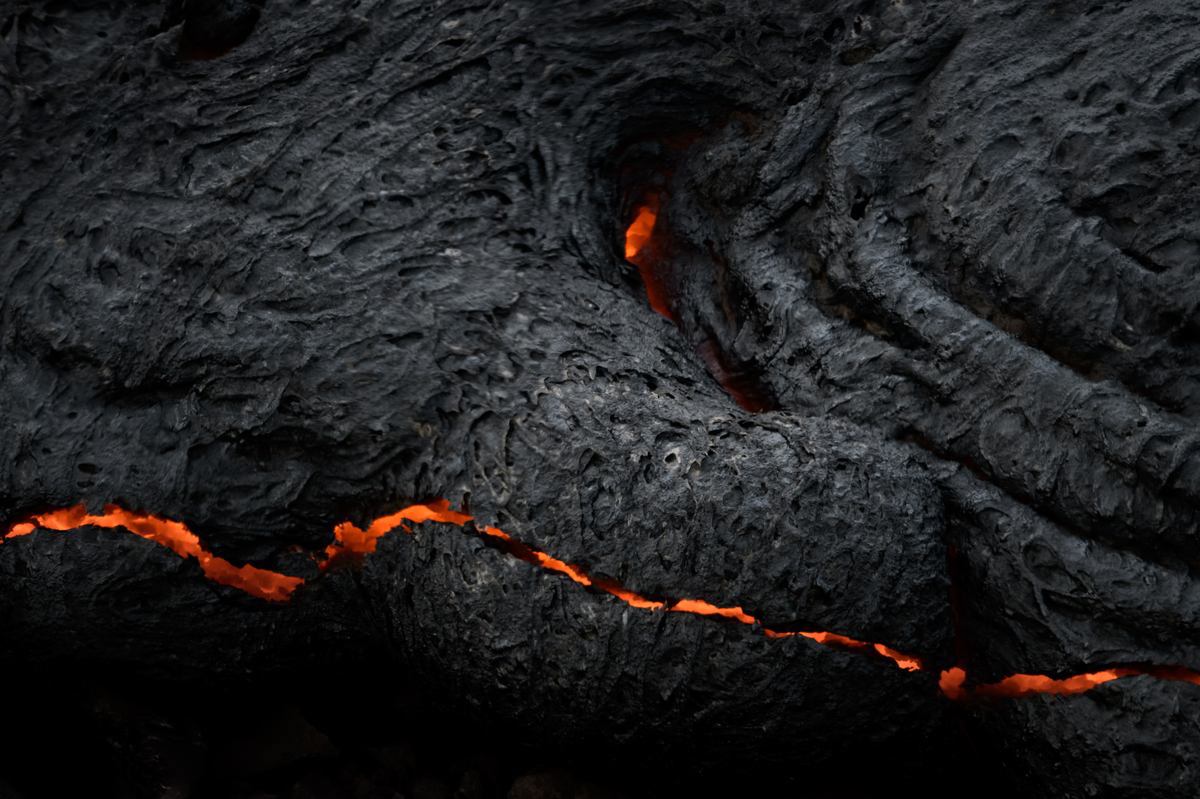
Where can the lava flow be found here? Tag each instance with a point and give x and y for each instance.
(176, 537)
(349, 540)
(953, 681)
(353, 541)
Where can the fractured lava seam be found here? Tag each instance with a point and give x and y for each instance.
(176, 537)
(641, 252)
(646, 251)
(351, 541)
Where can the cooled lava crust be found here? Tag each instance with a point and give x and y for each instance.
(783, 383)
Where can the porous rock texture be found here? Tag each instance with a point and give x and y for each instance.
(1102, 742)
(268, 266)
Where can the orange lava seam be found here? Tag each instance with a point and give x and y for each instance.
(176, 537)
(642, 251)
(353, 541)
(639, 251)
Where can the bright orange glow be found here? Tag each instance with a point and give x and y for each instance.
(951, 683)
(834, 638)
(349, 538)
(1024, 684)
(638, 234)
(629, 597)
(519, 550)
(641, 251)
(906, 662)
(556, 565)
(702, 608)
(176, 537)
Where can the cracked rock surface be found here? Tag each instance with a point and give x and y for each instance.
(265, 267)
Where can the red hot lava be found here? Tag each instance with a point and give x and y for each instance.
(350, 540)
(176, 537)
(640, 249)
(645, 250)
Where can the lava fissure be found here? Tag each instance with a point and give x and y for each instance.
(354, 539)
(175, 536)
(352, 542)
(641, 251)
(647, 251)
(953, 681)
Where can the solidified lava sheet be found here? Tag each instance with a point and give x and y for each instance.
(754, 387)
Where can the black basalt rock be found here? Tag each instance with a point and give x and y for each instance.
(927, 385)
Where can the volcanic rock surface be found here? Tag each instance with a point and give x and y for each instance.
(925, 370)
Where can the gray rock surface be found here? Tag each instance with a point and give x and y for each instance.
(265, 267)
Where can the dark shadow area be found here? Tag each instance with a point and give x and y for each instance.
(356, 734)
(211, 28)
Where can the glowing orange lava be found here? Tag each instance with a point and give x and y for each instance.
(638, 234)
(1022, 684)
(952, 681)
(352, 540)
(906, 662)
(176, 537)
(641, 251)
(1025, 684)
(349, 539)
(702, 608)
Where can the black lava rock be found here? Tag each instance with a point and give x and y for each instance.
(267, 267)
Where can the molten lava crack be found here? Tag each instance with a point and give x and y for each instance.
(175, 536)
(647, 251)
(351, 541)
(953, 681)
(639, 247)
